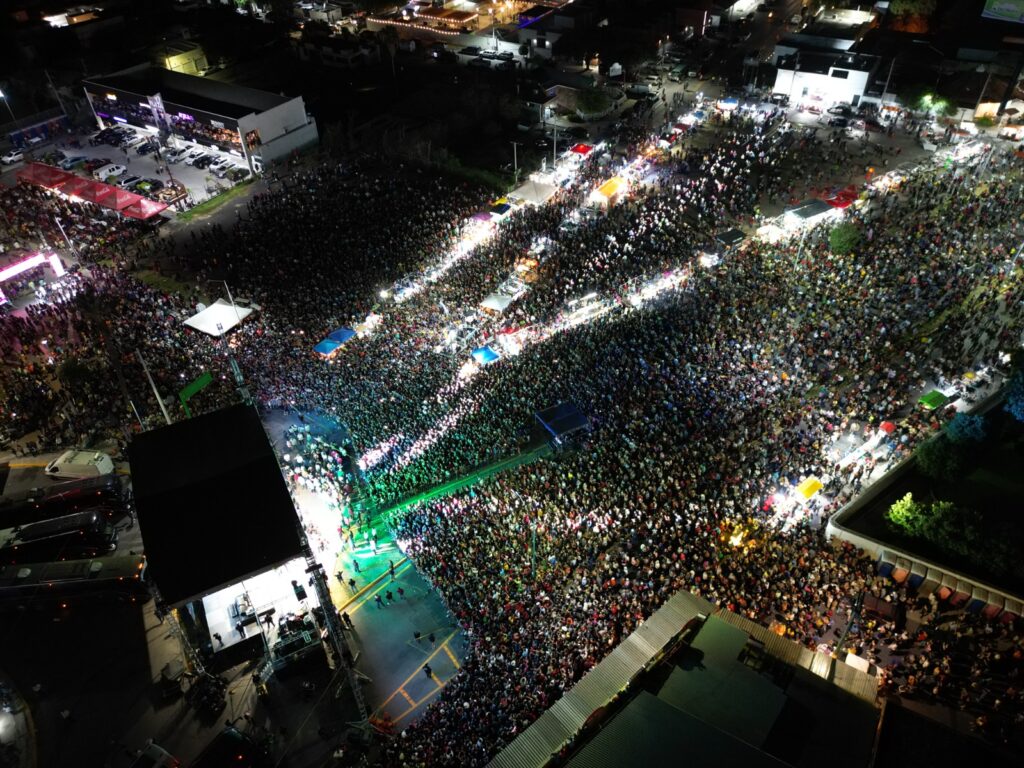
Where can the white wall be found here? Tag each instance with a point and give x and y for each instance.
(282, 146)
(277, 121)
(830, 90)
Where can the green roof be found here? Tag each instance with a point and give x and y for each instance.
(933, 400)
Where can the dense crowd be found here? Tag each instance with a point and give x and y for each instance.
(709, 401)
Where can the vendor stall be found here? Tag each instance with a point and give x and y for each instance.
(611, 192)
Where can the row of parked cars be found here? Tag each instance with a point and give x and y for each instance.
(127, 139)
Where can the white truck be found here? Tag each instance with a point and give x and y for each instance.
(75, 465)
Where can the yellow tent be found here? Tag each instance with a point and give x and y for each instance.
(809, 487)
(612, 187)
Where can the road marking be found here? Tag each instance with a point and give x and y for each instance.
(359, 593)
(417, 671)
(440, 684)
(451, 656)
(408, 698)
(379, 589)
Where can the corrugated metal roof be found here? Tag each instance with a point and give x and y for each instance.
(534, 747)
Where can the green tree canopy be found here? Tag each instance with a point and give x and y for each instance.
(906, 515)
(939, 458)
(912, 7)
(844, 238)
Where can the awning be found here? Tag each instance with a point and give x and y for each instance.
(933, 400)
(144, 208)
(218, 318)
(582, 149)
(809, 488)
(78, 186)
(327, 347)
(44, 175)
(341, 335)
(485, 355)
(496, 302)
(612, 187)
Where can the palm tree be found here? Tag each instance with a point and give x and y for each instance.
(388, 38)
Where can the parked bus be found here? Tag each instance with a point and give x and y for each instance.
(82, 534)
(42, 584)
(58, 499)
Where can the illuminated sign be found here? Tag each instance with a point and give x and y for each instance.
(111, 97)
(30, 263)
(187, 117)
(1004, 10)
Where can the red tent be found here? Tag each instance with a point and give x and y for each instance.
(143, 208)
(119, 199)
(888, 427)
(106, 195)
(582, 149)
(844, 197)
(79, 186)
(44, 175)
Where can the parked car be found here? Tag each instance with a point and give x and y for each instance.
(108, 171)
(100, 138)
(128, 182)
(480, 63)
(220, 163)
(132, 140)
(146, 147)
(177, 155)
(149, 186)
(96, 162)
(70, 162)
(205, 161)
(14, 156)
(838, 122)
(238, 174)
(192, 155)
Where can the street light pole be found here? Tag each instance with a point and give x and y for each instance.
(159, 400)
(515, 159)
(9, 109)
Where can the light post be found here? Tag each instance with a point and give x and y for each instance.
(9, 109)
(515, 159)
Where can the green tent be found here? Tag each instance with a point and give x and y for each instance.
(933, 400)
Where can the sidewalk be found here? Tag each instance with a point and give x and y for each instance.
(17, 730)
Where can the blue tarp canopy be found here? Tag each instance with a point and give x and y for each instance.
(327, 347)
(334, 340)
(485, 355)
(502, 209)
(341, 335)
(562, 420)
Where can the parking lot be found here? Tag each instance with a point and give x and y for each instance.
(151, 173)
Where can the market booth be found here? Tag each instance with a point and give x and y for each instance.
(611, 192)
(329, 347)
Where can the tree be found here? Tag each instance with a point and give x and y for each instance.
(73, 372)
(907, 515)
(1015, 396)
(844, 238)
(592, 101)
(912, 7)
(966, 427)
(939, 458)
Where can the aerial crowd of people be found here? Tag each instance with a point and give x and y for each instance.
(709, 399)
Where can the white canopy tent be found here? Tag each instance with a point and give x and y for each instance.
(497, 302)
(218, 318)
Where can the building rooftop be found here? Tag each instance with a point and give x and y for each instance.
(200, 93)
(212, 503)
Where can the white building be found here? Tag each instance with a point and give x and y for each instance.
(824, 79)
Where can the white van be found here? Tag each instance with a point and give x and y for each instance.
(104, 173)
(76, 465)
